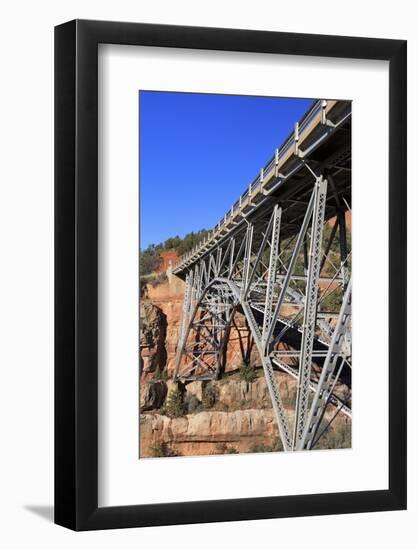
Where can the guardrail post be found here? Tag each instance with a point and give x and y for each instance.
(276, 162)
(323, 111)
(296, 138)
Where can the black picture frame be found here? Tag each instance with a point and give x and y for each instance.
(76, 271)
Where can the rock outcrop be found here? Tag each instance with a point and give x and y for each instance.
(218, 432)
(167, 297)
(153, 395)
(153, 329)
(207, 432)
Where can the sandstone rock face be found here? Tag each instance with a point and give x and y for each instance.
(153, 328)
(205, 432)
(196, 388)
(168, 298)
(168, 258)
(152, 395)
(219, 432)
(241, 348)
(239, 394)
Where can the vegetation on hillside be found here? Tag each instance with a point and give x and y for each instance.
(150, 257)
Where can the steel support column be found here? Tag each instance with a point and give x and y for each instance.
(327, 379)
(272, 273)
(310, 309)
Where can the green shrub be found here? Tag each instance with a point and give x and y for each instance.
(149, 260)
(259, 448)
(333, 301)
(248, 373)
(336, 437)
(191, 403)
(160, 375)
(223, 449)
(174, 404)
(231, 451)
(157, 450)
(159, 279)
(162, 450)
(209, 396)
(262, 448)
(153, 279)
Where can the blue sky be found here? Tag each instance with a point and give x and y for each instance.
(199, 152)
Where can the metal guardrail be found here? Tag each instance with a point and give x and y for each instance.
(289, 142)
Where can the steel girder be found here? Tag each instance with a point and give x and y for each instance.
(283, 296)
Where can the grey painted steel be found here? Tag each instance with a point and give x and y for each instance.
(327, 381)
(310, 311)
(291, 267)
(247, 286)
(246, 260)
(334, 400)
(271, 381)
(272, 274)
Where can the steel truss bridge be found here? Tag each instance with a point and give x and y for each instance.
(276, 260)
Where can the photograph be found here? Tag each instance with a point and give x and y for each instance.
(206, 223)
(245, 267)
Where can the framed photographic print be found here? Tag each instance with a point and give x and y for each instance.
(230, 275)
